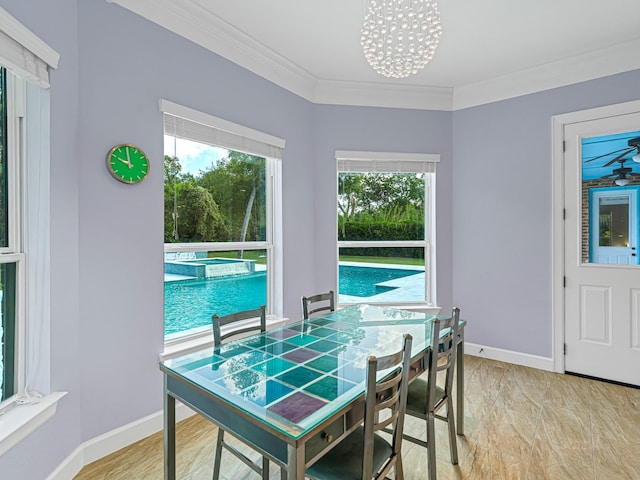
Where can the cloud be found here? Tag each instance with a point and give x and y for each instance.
(193, 156)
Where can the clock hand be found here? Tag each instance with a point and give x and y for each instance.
(123, 160)
(128, 159)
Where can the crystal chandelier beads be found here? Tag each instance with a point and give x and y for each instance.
(399, 37)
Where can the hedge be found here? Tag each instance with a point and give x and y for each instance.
(393, 231)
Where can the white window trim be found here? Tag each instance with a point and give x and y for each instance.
(25, 53)
(27, 56)
(273, 244)
(361, 161)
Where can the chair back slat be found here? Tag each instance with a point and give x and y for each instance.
(442, 357)
(315, 304)
(389, 395)
(217, 322)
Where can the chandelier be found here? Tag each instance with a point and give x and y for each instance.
(399, 37)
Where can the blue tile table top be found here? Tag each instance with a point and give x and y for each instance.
(294, 377)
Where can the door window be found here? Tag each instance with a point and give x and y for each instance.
(610, 185)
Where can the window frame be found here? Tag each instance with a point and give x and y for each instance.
(273, 235)
(13, 253)
(388, 162)
(29, 60)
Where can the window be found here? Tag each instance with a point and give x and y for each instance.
(11, 255)
(221, 217)
(24, 239)
(386, 213)
(24, 231)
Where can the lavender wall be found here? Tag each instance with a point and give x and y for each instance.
(55, 23)
(107, 292)
(502, 186)
(122, 77)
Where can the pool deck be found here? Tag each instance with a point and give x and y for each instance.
(172, 277)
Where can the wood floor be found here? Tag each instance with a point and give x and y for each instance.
(520, 423)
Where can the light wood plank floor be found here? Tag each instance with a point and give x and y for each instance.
(520, 423)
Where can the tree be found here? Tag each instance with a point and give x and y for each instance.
(379, 195)
(226, 202)
(235, 183)
(172, 169)
(349, 189)
(200, 218)
(381, 206)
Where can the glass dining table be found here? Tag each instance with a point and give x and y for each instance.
(293, 391)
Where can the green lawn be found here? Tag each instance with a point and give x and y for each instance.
(260, 256)
(390, 260)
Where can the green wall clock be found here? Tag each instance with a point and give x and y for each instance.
(128, 163)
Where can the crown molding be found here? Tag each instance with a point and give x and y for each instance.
(600, 63)
(199, 25)
(383, 95)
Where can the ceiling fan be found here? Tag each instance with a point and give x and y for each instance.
(633, 144)
(620, 174)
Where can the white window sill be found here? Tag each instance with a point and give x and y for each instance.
(18, 421)
(205, 340)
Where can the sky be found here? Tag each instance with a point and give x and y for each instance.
(193, 156)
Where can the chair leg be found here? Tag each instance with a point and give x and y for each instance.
(431, 445)
(451, 422)
(398, 468)
(216, 463)
(265, 468)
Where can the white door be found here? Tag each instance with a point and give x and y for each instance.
(613, 218)
(602, 300)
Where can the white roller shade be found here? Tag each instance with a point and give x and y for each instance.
(183, 122)
(24, 53)
(350, 161)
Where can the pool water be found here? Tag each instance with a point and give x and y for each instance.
(191, 303)
(362, 281)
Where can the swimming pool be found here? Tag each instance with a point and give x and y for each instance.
(190, 303)
(363, 281)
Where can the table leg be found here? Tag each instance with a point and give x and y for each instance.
(169, 434)
(460, 386)
(295, 462)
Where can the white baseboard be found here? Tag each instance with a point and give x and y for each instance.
(509, 356)
(105, 444)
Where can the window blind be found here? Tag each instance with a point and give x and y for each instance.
(183, 122)
(386, 162)
(24, 53)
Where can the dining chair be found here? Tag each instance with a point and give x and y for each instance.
(426, 397)
(218, 338)
(322, 302)
(364, 454)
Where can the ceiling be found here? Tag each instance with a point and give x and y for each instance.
(602, 155)
(489, 50)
